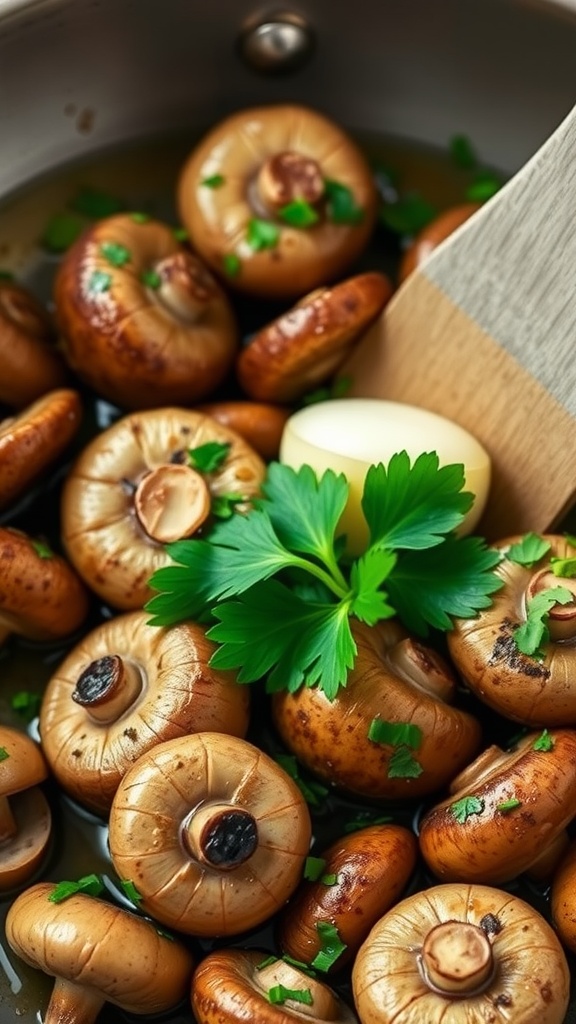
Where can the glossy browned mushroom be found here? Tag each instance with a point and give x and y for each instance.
(421, 742)
(124, 688)
(279, 199)
(230, 985)
(507, 813)
(212, 833)
(41, 597)
(25, 819)
(361, 875)
(134, 489)
(563, 898)
(33, 439)
(461, 952)
(143, 320)
(305, 347)
(29, 363)
(433, 234)
(260, 423)
(535, 690)
(97, 953)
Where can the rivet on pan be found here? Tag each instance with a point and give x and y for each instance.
(276, 43)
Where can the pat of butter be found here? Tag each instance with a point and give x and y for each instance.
(348, 435)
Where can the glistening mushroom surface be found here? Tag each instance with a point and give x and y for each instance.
(124, 688)
(29, 363)
(104, 524)
(25, 817)
(169, 804)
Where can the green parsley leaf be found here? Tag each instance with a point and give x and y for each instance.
(231, 264)
(564, 567)
(544, 742)
(279, 994)
(267, 962)
(91, 885)
(4, 755)
(209, 457)
(312, 791)
(462, 152)
(481, 190)
(462, 809)
(304, 510)
(299, 214)
(365, 819)
(341, 206)
(151, 278)
(331, 879)
(395, 733)
(331, 946)
(367, 574)
(403, 765)
(61, 232)
(131, 891)
(180, 234)
(139, 217)
(213, 181)
(528, 550)
(26, 704)
(313, 868)
(223, 505)
(116, 254)
(99, 282)
(409, 215)
(534, 632)
(42, 549)
(94, 203)
(508, 805)
(262, 234)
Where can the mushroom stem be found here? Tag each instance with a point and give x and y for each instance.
(73, 1004)
(172, 501)
(220, 835)
(422, 667)
(548, 859)
(8, 826)
(108, 687)
(456, 959)
(323, 1006)
(184, 287)
(287, 176)
(486, 762)
(562, 617)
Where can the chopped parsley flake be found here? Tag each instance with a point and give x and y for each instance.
(131, 891)
(26, 704)
(313, 868)
(94, 203)
(61, 232)
(213, 181)
(139, 217)
(299, 214)
(544, 742)
(331, 946)
(99, 282)
(209, 457)
(116, 254)
(395, 733)
(402, 764)
(341, 205)
(223, 505)
(528, 550)
(565, 567)
(42, 549)
(468, 805)
(90, 885)
(180, 234)
(151, 278)
(534, 632)
(262, 234)
(279, 994)
(231, 264)
(4, 755)
(508, 805)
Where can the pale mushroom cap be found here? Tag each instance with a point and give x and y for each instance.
(23, 852)
(24, 766)
(103, 947)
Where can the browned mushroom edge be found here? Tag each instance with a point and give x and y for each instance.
(261, 424)
(30, 364)
(25, 818)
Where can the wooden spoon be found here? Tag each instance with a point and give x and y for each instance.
(484, 333)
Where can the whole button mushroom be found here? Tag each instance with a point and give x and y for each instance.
(124, 688)
(134, 489)
(390, 733)
(32, 440)
(41, 597)
(306, 346)
(534, 689)
(230, 985)
(97, 953)
(279, 199)
(461, 952)
(260, 423)
(358, 878)
(212, 833)
(507, 813)
(433, 234)
(25, 818)
(29, 362)
(144, 321)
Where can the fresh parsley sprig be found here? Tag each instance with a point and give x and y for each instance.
(283, 592)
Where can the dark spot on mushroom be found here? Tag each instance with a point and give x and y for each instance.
(179, 457)
(491, 925)
(131, 733)
(546, 993)
(76, 753)
(502, 1000)
(505, 650)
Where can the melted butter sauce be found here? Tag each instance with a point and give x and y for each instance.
(145, 178)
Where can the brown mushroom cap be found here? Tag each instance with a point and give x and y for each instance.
(29, 363)
(534, 691)
(41, 597)
(261, 424)
(433, 234)
(124, 688)
(366, 871)
(268, 157)
(212, 833)
(144, 321)
(230, 986)
(563, 899)
(97, 952)
(25, 819)
(522, 802)
(109, 512)
(461, 952)
(31, 441)
(305, 347)
(24, 766)
(395, 679)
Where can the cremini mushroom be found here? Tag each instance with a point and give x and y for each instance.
(212, 833)
(535, 689)
(354, 882)
(507, 813)
(230, 985)
(261, 424)
(97, 953)
(25, 818)
(33, 439)
(143, 320)
(304, 347)
(41, 597)
(124, 688)
(29, 362)
(134, 489)
(563, 898)
(389, 733)
(461, 953)
(279, 199)
(433, 234)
